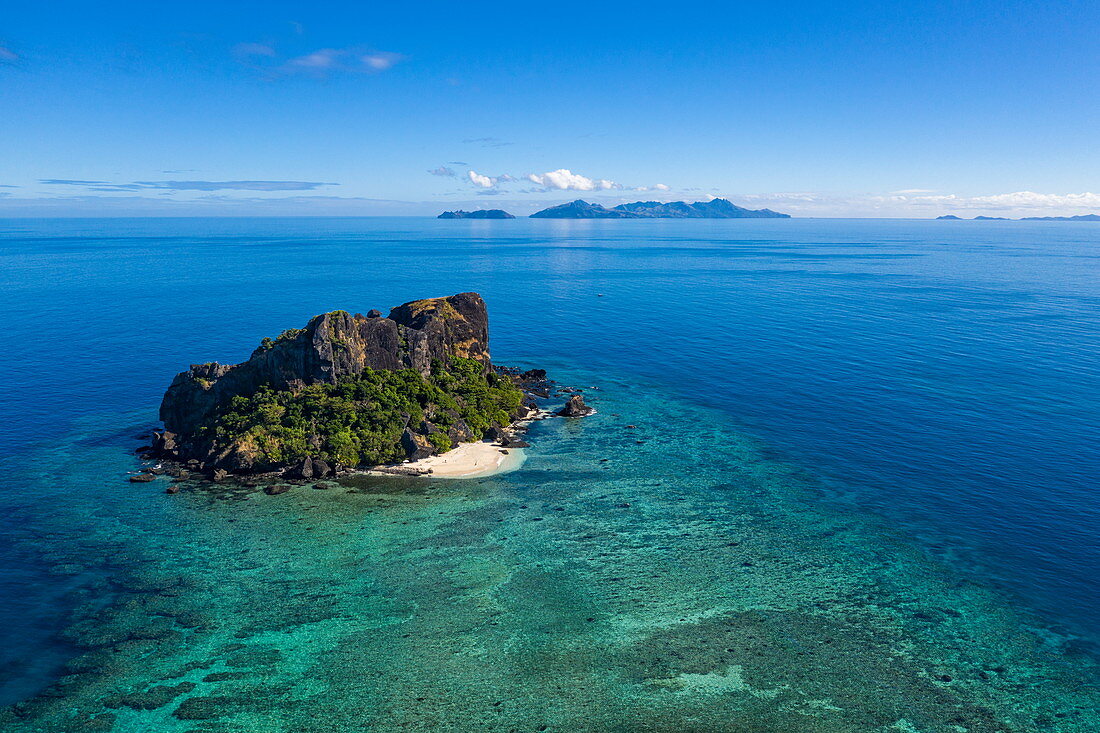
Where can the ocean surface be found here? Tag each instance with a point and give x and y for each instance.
(861, 493)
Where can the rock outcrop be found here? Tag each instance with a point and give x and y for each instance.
(345, 391)
(575, 407)
(331, 346)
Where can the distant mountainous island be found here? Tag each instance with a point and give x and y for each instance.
(714, 209)
(1079, 217)
(482, 214)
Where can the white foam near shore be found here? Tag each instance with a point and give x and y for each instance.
(469, 460)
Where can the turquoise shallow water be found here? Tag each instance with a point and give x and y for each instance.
(861, 486)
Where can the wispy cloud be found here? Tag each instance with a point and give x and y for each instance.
(324, 61)
(236, 185)
(443, 171)
(1004, 201)
(265, 58)
(487, 142)
(190, 185)
(380, 61)
(7, 56)
(254, 49)
(565, 180)
(321, 59)
(208, 205)
(71, 182)
(918, 204)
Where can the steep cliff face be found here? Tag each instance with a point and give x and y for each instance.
(333, 346)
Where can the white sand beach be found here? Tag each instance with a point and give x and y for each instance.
(470, 460)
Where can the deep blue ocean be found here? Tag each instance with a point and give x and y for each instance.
(899, 421)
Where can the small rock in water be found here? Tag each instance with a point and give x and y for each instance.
(276, 489)
(142, 478)
(575, 407)
(173, 489)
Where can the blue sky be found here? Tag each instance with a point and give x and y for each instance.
(814, 108)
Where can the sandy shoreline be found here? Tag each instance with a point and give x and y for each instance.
(468, 460)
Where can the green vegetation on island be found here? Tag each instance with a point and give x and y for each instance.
(360, 420)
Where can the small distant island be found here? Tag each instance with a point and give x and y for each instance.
(713, 209)
(479, 214)
(355, 391)
(1080, 217)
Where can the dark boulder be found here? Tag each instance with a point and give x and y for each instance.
(416, 446)
(460, 431)
(142, 478)
(276, 489)
(374, 313)
(302, 470)
(321, 469)
(575, 407)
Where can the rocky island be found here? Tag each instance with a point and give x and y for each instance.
(713, 209)
(351, 391)
(479, 214)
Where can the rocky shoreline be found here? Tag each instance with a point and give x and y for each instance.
(164, 459)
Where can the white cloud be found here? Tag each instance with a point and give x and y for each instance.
(481, 181)
(443, 171)
(8, 56)
(565, 180)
